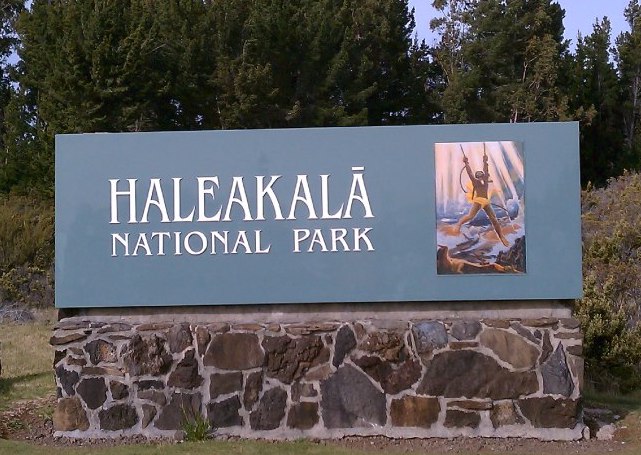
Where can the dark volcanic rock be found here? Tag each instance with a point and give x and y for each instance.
(253, 387)
(389, 345)
(202, 339)
(68, 379)
(525, 333)
(556, 375)
(186, 376)
(459, 419)
(547, 412)
(118, 390)
(455, 374)
(101, 351)
(393, 377)
(289, 359)
(350, 399)
(270, 411)
(234, 351)
(345, 342)
(65, 339)
(146, 356)
(224, 383)
(148, 414)
(428, 336)
(118, 417)
(150, 384)
(225, 413)
(303, 416)
(510, 348)
(505, 413)
(69, 415)
(93, 391)
(179, 338)
(153, 395)
(546, 349)
(57, 357)
(465, 329)
(302, 390)
(182, 408)
(411, 411)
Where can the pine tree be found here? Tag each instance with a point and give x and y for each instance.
(595, 98)
(628, 58)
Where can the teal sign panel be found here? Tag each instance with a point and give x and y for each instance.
(372, 214)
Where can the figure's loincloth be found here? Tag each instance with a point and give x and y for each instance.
(482, 201)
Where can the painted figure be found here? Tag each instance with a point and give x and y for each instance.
(480, 198)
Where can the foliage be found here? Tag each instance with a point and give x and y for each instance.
(502, 60)
(26, 250)
(196, 428)
(610, 311)
(181, 65)
(596, 99)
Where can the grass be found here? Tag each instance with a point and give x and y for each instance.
(189, 448)
(26, 360)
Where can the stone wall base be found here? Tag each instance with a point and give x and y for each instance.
(398, 378)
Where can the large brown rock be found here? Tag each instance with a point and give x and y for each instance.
(93, 391)
(349, 399)
(270, 411)
(179, 338)
(202, 339)
(510, 348)
(119, 390)
(459, 419)
(225, 413)
(186, 375)
(388, 345)
(69, 415)
(234, 351)
(118, 417)
(505, 413)
(59, 339)
(147, 356)
(224, 383)
(253, 387)
(548, 412)
(289, 359)
(101, 351)
(411, 411)
(182, 408)
(300, 389)
(469, 374)
(303, 416)
(393, 378)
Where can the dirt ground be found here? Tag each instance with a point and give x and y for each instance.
(30, 421)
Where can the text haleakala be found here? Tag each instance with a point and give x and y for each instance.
(250, 199)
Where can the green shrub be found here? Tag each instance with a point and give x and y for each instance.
(26, 250)
(196, 427)
(610, 310)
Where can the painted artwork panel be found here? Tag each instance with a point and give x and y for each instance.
(480, 208)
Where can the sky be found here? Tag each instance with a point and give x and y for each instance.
(580, 15)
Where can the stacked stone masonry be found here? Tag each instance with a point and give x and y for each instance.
(433, 378)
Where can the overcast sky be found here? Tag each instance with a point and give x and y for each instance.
(579, 16)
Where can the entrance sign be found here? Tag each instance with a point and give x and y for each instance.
(374, 214)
